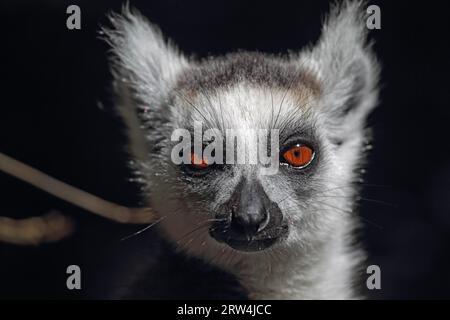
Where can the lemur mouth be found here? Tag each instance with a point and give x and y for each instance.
(252, 244)
(248, 242)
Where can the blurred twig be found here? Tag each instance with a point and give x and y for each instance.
(36, 230)
(51, 227)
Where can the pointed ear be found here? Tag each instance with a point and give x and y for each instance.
(347, 69)
(145, 69)
(144, 64)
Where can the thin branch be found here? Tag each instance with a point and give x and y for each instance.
(9, 227)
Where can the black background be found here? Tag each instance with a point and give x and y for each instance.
(57, 115)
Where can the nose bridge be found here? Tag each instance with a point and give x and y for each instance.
(251, 195)
(252, 183)
(249, 206)
(249, 186)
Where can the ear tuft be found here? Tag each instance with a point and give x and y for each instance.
(145, 69)
(346, 67)
(142, 58)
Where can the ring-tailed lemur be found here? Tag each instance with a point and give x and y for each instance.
(283, 236)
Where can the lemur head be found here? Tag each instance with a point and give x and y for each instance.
(313, 102)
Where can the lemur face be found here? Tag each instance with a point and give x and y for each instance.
(314, 103)
(250, 210)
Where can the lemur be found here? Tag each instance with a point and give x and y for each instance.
(288, 235)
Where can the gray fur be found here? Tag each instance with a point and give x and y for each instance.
(321, 95)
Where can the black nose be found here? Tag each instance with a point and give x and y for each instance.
(249, 209)
(249, 221)
(253, 220)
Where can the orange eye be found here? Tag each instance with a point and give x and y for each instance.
(299, 156)
(198, 163)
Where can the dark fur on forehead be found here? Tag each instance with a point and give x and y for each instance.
(251, 67)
